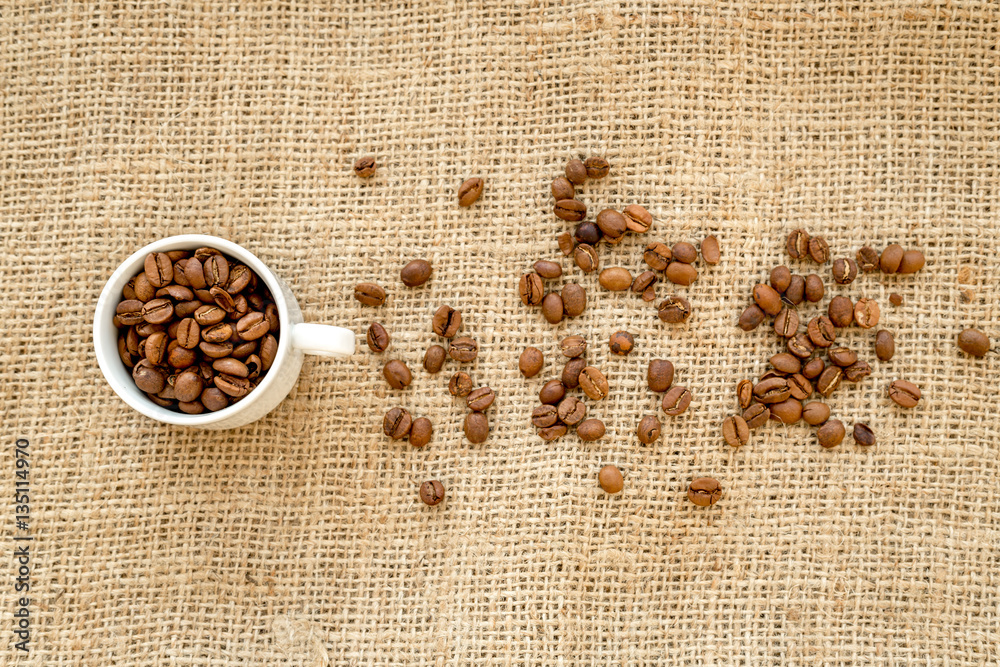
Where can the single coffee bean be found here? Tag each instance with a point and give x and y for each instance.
(845, 270)
(684, 252)
(415, 273)
(913, 261)
(593, 383)
(144, 329)
(841, 356)
(213, 399)
(432, 493)
(240, 277)
(574, 298)
(786, 324)
(660, 375)
(195, 275)
(236, 387)
(469, 191)
(254, 365)
(799, 387)
(819, 250)
(904, 393)
(814, 288)
(566, 243)
(586, 258)
(588, 232)
(571, 411)
(676, 400)
(576, 172)
(157, 311)
(268, 351)
(553, 432)
(781, 278)
(795, 293)
(788, 411)
(704, 491)
(531, 289)
(553, 308)
(460, 384)
(244, 350)
(674, 309)
(463, 349)
(829, 380)
(377, 338)
(272, 317)
(863, 435)
(831, 433)
(657, 256)
(421, 431)
(396, 374)
(735, 431)
(597, 167)
(767, 298)
(144, 290)
(751, 318)
(649, 294)
(571, 210)
(132, 339)
(544, 416)
(610, 479)
(548, 270)
(191, 408)
(186, 308)
(531, 362)
(590, 430)
(710, 250)
(868, 260)
(821, 331)
(155, 349)
(772, 390)
(756, 415)
(188, 386)
(813, 368)
(798, 244)
(365, 166)
(801, 346)
(562, 189)
(552, 392)
(175, 292)
(159, 269)
(571, 372)
(223, 299)
(857, 371)
(621, 342)
(216, 271)
(643, 282)
(397, 423)
(476, 427)
(128, 292)
(637, 219)
(815, 413)
(891, 258)
(181, 357)
(252, 326)
(480, 399)
(148, 377)
(615, 279)
(573, 346)
(434, 359)
(680, 273)
(744, 393)
(974, 342)
(209, 315)
(895, 299)
(613, 225)
(648, 431)
(841, 311)
(866, 313)
(447, 321)
(885, 345)
(369, 294)
(230, 366)
(786, 363)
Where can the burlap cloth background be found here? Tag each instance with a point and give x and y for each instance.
(300, 540)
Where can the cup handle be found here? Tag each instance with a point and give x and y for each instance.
(323, 340)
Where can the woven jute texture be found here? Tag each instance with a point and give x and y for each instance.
(300, 539)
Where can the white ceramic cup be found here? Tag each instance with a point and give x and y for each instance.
(295, 339)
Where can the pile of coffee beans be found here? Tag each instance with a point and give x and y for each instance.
(559, 411)
(198, 330)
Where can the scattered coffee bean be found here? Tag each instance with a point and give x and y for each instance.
(553, 432)
(895, 299)
(590, 430)
(576, 172)
(415, 273)
(767, 298)
(780, 279)
(831, 433)
(421, 431)
(684, 252)
(643, 282)
(904, 393)
(396, 423)
(566, 243)
(735, 431)
(704, 491)
(798, 244)
(813, 368)
(657, 256)
(470, 191)
(674, 309)
(841, 311)
(891, 258)
(597, 167)
(586, 258)
(857, 371)
(562, 189)
(841, 356)
(574, 298)
(621, 342)
(397, 374)
(829, 380)
(885, 345)
(799, 387)
(676, 400)
(819, 251)
(571, 411)
(974, 342)
(751, 318)
(476, 427)
(531, 362)
(615, 279)
(432, 493)
(480, 399)
(814, 288)
(593, 383)
(866, 313)
(531, 289)
(785, 362)
(544, 416)
(913, 261)
(365, 166)
(637, 219)
(369, 294)
(552, 392)
(588, 232)
(680, 273)
(570, 210)
(863, 435)
(868, 260)
(796, 292)
(710, 250)
(756, 415)
(463, 349)
(788, 411)
(610, 479)
(821, 331)
(434, 359)
(660, 375)
(553, 308)
(571, 372)
(744, 393)
(377, 338)
(772, 390)
(786, 324)
(460, 384)
(573, 346)
(648, 431)
(548, 270)
(815, 413)
(845, 270)
(801, 346)
(613, 225)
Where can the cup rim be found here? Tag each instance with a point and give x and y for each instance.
(106, 347)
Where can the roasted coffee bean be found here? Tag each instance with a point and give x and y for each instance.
(230, 366)
(205, 296)
(574, 298)
(974, 342)
(365, 166)
(206, 371)
(801, 346)
(252, 326)
(786, 324)
(597, 167)
(710, 250)
(841, 311)
(415, 273)
(377, 338)
(621, 343)
(751, 318)
(813, 368)
(148, 377)
(829, 380)
(132, 338)
(814, 290)
(562, 189)
(781, 278)
(216, 270)
(159, 269)
(573, 346)
(553, 308)
(684, 252)
(421, 431)
(772, 390)
(191, 407)
(799, 387)
(657, 256)
(566, 243)
(845, 270)
(786, 363)
(842, 356)
(680, 273)
(576, 172)
(821, 331)
(480, 399)
(571, 210)
(767, 298)
(244, 349)
(460, 384)
(756, 415)
(866, 313)
(544, 416)
(704, 491)
(188, 386)
(162, 402)
(144, 329)
(209, 315)
(144, 290)
(637, 219)
(128, 292)
(643, 282)
(588, 232)
(476, 427)
(796, 291)
(648, 431)
(552, 392)
(885, 345)
(195, 276)
(155, 350)
(463, 349)
(446, 321)
(396, 374)
(612, 223)
(240, 277)
(798, 244)
(863, 435)
(369, 294)
(175, 292)
(434, 359)
(815, 413)
(586, 258)
(735, 431)
(571, 372)
(470, 191)
(904, 393)
(571, 411)
(253, 364)
(397, 423)
(819, 250)
(676, 400)
(548, 270)
(186, 308)
(674, 309)
(531, 362)
(223, 299)
(913, 261)
(660, 375)
(531, 289)
(891, 258)
(649, 294)
(831, 433)
(593, 383)
(236, 387)
(610, 479)
(788, 411)
(157, 311)
(868, 260)
(553, 432)
(744, 393)
(615, 279)
(857, 371)
(895, 299)
(213, 399)
(268, 351)
(172, 329)
(590, 430)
